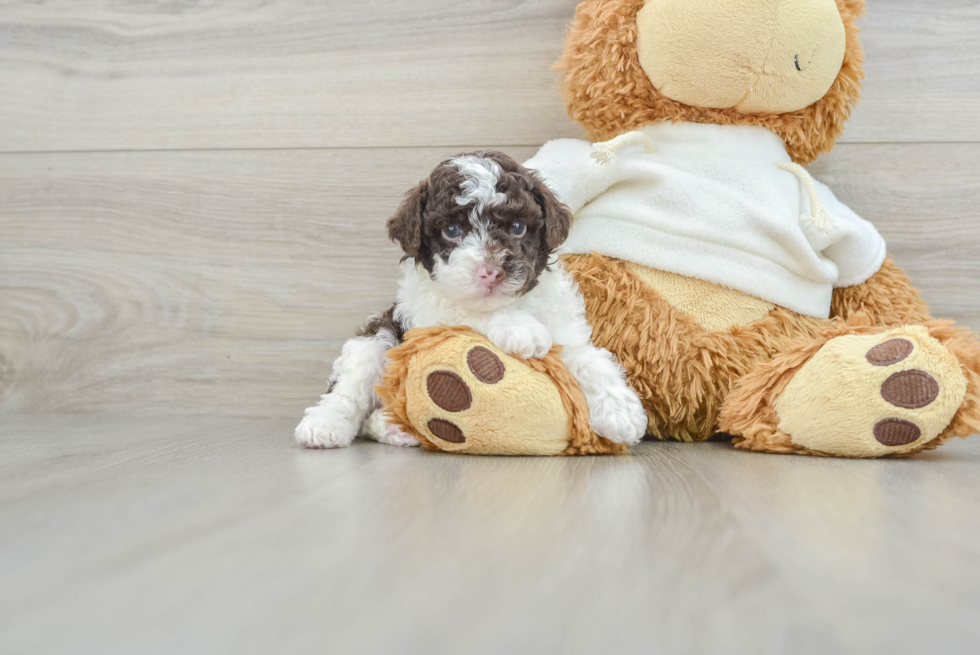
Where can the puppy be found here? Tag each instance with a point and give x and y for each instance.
(479, 237)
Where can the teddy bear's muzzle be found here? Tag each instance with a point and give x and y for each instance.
(755, 57)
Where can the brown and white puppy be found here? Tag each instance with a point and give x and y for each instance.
(479, 237)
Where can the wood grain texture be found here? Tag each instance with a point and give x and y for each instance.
(110, 75)
(227, 281)
(206, 535)
(279, 73)
(221, 281)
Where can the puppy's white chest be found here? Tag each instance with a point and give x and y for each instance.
(420, 304)
(554, 304)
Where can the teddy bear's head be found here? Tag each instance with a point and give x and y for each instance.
(792, 66)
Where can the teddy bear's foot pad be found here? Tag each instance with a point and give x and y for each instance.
(873, 395)
(455, 391)
(449, 391)
(478, 401)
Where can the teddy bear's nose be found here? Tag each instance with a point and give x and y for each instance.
(776, 56)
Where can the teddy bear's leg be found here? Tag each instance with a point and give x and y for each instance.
(861, 391)
(888, 298)
(680, 369)
(454, 391)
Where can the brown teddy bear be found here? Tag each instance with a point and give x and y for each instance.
(740, 295)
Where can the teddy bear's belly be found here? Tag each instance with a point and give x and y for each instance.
(714, 307)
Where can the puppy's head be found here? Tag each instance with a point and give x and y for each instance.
(483, 227)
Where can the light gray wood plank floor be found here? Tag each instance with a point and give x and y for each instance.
(214, 535)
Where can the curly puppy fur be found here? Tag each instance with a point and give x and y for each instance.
(608, 93)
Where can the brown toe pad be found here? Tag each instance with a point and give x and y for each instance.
(446, 431)
(449, 391)
(896, 432)
(910, 389)
(485, 366)
(891, 352)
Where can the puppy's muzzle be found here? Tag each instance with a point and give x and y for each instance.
(489, 277)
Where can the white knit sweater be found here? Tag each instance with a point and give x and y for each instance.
(712, 204)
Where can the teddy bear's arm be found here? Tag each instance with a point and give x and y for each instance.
(888, 297)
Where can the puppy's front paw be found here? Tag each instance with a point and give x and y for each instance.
(619, 417)
(378, 428)
(326, 426)
(392, 435)
(529, 340)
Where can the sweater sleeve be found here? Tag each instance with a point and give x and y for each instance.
(855, 247)
(570, 172)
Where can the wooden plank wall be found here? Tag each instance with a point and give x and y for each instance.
(192, 193)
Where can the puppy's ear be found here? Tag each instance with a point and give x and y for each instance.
(405, 227)
(557, 218)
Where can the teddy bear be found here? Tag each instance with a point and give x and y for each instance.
(743, 299)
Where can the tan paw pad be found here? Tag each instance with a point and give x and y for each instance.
(873, 395)
(467, 396)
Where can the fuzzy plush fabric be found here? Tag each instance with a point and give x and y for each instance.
(888, 298)
(879, 377)
(848, 401)
(712, 203)
(681, 371)
(712, 306)
(694, 382)
(751, 409)
(608, 92)
(454, 391)
(684, 373)
(761, 57)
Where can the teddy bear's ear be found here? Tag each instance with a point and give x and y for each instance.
(405, 227)
(557, 217)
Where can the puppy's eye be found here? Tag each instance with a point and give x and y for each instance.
(452, 231)
(518, 229)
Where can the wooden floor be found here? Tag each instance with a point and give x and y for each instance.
(207, 535)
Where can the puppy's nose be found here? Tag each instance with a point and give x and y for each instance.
(489, 276)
